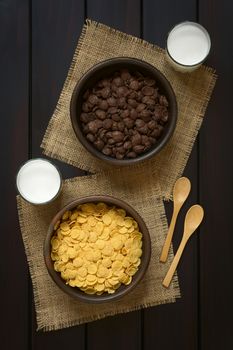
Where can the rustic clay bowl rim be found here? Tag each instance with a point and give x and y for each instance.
(123, 290)
(93, 75)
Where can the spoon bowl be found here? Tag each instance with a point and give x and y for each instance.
(193, 219)
(181, 191)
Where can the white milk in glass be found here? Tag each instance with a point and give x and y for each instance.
(188, 45)
(38, 181)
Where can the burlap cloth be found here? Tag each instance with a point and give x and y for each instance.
(99, 42)
(55, 309)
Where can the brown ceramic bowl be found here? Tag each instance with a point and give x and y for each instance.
(105, 69)
(122, 290)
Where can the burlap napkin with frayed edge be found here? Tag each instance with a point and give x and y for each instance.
(55, 309)
(99, 42)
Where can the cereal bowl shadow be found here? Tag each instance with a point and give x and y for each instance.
(75, 292)
(108, 68)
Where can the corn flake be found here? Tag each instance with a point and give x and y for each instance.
(64, 227)
(78, 262)
(107, 219)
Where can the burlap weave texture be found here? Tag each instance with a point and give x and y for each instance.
(55, 309)
(99, 42)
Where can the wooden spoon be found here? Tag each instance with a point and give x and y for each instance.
(193, 219)
(180, 194)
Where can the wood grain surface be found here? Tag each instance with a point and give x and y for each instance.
(37, 41)
(15, 300)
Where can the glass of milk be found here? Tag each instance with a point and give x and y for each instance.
(38, 181)
(188, 45)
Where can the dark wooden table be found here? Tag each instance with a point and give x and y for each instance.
(37, 41)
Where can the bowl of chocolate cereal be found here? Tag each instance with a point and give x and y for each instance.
(123, 110)
(97, 249)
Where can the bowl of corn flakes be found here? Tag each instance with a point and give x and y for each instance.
(97, 249)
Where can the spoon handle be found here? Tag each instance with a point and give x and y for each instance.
(172, 269)
(167, 243)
